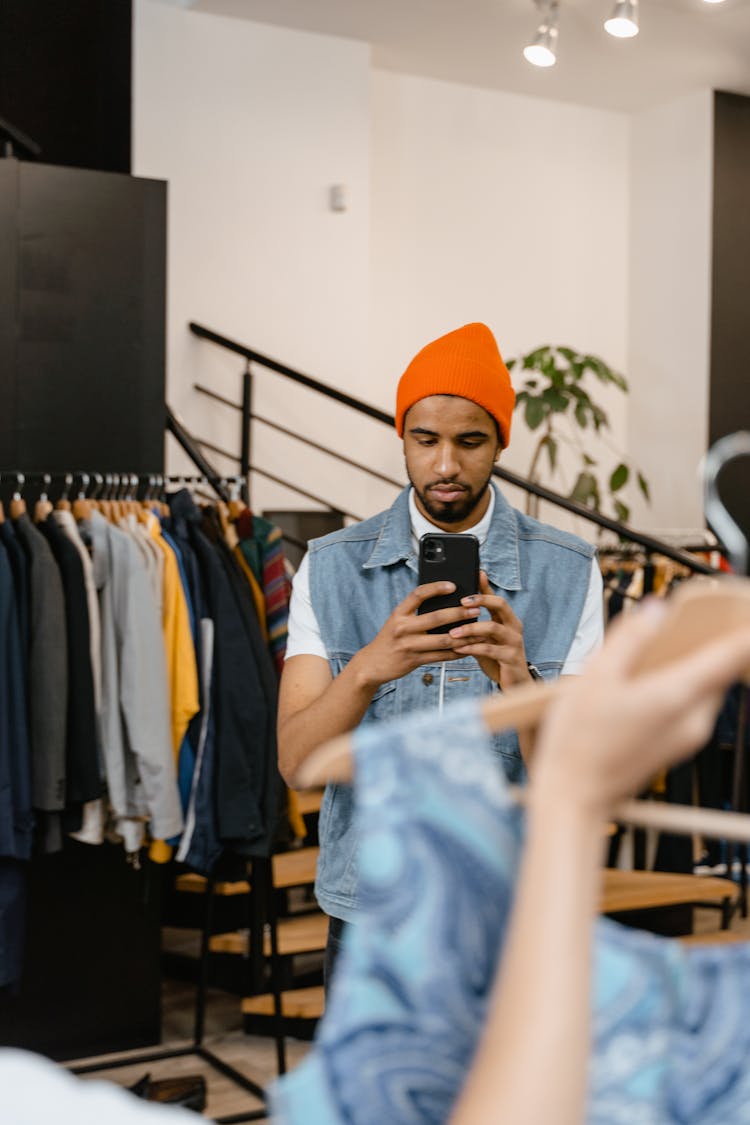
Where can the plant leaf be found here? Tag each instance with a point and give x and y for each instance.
(586, 491)
(581, 417)
(622, 510)
(643, 485)
(536, 358)
(600, 418)
(556, 401)
(588, 460)
(534, 412)
(552, 452)
(619, 477)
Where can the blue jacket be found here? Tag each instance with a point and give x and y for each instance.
(359, 574)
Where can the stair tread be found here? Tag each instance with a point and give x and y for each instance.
(299, 1003)
(290, 869)
(306, 933)
(295, 868)
(308, 800)
(641, 890)
(192, 883)
(716, 937)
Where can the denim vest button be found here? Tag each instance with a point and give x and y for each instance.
(427, 678)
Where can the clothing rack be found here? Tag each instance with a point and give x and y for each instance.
(153, 486)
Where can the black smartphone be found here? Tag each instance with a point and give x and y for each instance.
(446, 557)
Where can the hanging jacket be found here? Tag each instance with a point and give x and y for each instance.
(16, 818)
(137, 745)
(83, 780)
(48, 670)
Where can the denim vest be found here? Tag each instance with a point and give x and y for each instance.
(359, 574)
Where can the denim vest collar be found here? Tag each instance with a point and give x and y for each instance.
(499, 552)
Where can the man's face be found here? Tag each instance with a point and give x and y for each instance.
(450, 446)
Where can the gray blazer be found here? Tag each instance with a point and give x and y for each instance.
(136, 737)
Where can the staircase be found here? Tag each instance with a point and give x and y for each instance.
(301, 932)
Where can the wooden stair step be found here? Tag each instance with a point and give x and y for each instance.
(306, 933)
(642, 890)
(192, 883)
(295, 868)
(308, 800)
(298, 1004)
(716, 937)
(290, 869)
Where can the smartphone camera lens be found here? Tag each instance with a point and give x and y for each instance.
(433, 550)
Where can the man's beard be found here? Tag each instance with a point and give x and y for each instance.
(452, 511)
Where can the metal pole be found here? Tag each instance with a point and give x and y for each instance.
(247, 406)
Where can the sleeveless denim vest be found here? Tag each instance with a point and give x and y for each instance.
(360, 573)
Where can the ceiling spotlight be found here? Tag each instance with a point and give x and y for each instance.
(542, 51)
(713, 1)
(623, 23)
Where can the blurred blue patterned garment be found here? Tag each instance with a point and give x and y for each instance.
(440, 846)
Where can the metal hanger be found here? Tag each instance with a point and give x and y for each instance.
(722, 523)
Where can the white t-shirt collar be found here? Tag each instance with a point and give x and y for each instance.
(421, 526)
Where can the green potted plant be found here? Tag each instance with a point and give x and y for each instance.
(555, 400)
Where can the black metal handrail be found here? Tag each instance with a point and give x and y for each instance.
(191, 447)
(290, 373)
(649, 542)
(298, 437)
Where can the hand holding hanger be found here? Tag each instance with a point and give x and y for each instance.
(705, 620)
(602, 736)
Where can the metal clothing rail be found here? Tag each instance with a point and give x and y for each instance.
(117, 486)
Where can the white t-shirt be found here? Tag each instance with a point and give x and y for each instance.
(304, 637)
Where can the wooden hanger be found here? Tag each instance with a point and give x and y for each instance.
(699, 612)
(43, 506)
(82, 507)
(63, 504)
(17, 503)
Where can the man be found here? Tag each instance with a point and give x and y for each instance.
(357, 650)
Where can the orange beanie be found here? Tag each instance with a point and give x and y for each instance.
(466, 363)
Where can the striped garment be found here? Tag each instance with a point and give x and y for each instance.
(262, 548)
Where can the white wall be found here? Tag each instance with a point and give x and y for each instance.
(250, 125)
(503, 208)
(551, 222)
(670, 303)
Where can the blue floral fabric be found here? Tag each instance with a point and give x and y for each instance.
(439, 850)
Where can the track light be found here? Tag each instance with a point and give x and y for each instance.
(542, 51)
(623, 23)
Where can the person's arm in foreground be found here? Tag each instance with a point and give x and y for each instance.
(600, 743)
(315, 706)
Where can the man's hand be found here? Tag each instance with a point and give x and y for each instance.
(497, 644)
(405, 643)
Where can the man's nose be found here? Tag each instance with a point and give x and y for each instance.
(446, 461)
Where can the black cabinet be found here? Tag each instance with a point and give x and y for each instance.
(82, 319)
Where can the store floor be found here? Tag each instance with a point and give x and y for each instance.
(252, 1055)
